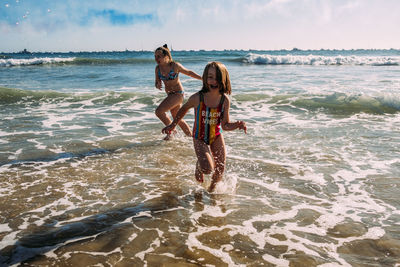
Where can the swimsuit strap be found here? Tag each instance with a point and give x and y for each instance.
(222, 100)
(162, 77)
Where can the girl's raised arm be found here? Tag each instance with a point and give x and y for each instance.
(226, 124)
(188, 72)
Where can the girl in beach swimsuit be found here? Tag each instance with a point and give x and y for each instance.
(207, 121)
(167, 72)
(211, 106)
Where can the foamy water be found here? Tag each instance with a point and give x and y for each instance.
(85, 178)
(33, 61)
(267, 59)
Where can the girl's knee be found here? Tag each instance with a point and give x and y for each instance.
(206, 168)
(159, 112)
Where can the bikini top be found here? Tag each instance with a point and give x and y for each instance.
(172, 75)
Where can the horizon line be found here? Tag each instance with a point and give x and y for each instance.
(25, 51)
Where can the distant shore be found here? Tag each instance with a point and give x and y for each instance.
(25, 51)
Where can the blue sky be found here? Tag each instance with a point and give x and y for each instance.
(99, 25)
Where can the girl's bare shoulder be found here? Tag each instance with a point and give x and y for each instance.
(226, 98)
(227, 102)
(176, 64)
(177, 67)
(194, 99)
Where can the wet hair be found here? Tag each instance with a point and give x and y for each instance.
(222, 78)
(164, 49)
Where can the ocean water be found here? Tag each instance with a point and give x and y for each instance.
(86, 179)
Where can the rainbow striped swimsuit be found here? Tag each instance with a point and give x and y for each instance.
(207, 121)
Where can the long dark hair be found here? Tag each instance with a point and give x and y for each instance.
(222, 78)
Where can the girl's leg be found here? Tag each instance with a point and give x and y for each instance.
(205, 162)
(219, 155)
(184, 126)
(167, 104)
(198, 174)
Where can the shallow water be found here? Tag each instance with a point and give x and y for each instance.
(86, 179)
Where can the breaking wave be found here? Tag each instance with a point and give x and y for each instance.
(13, 62)
(336, 103)
(267, 59)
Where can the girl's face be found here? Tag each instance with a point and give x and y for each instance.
(160, 58)
(212, 79)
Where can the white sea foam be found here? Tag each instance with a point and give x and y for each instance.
(266, 59)
(192, 242)
(8, 239)
(152, 246)
(33, 61)
(4, 228)
(299, 171)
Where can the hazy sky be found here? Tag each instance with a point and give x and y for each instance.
(99, 25)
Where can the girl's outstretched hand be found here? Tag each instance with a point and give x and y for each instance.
(242, 126)
(168, 129)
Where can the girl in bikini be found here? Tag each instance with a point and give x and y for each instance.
(167, 71)
(211, 105)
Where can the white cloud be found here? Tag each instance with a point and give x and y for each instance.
(208, 24)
